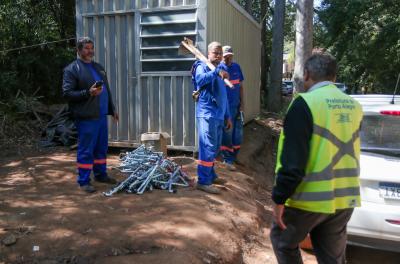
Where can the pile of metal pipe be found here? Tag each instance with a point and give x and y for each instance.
(146, 170)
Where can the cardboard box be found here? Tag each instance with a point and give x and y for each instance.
(156, 141)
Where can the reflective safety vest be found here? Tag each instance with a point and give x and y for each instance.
(331, 176)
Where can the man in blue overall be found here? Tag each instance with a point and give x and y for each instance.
(232, 138)
(86, 88)
(212, 114)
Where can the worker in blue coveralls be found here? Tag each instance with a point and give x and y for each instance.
(86, 88)
(232, 138)
(212, 114)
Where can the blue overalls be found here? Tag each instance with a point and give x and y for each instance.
(232, 138)
(212, 110)
(93, 139)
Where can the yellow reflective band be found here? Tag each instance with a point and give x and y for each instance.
(326, 207)
(329, 195)
(324, 186)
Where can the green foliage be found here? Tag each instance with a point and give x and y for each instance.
(364, 37)
(289, 27)
(28, 22)
(290, 50)
(289, 35)
(290, 22)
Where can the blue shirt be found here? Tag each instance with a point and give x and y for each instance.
(103, 95)
(235, 77)
(213, 101)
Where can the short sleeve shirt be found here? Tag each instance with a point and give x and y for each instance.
(235, 77)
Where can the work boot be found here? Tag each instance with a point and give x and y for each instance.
(106, 179)
(219, 181)
(88, 188)
(208, 189)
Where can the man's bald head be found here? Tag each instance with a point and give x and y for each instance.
(215, 52)
(213, 45)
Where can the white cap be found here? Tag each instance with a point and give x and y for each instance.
(227, 50)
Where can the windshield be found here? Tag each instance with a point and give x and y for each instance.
(381, 133)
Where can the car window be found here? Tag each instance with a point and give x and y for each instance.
(289, 84)
(381, 133)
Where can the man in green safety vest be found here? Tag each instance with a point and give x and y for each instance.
(317, 172)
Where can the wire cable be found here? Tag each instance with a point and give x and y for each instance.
(36, 45)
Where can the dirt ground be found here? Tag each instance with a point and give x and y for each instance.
(54, 222)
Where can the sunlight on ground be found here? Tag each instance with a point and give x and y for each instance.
(13, 164)
(60, 233)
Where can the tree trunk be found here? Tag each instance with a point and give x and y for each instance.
(264, 68)
(304, 36)
(275, 88)
(248, 6)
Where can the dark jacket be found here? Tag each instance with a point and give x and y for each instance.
(77, 80)
(298, 130)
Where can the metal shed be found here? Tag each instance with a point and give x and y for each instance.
(137, 42)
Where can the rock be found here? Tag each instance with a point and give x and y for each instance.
(212, 254)
(115, 252)
(9, 240)
(206, 260)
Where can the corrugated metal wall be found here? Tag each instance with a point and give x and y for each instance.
(228, 23)
(166, 105)
(114, 33)
(146, 102)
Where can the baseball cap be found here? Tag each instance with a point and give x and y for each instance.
(227, 50)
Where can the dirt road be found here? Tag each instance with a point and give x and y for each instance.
(52, 221)
(42, 206)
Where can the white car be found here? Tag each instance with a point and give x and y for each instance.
(377, 222)
(342, 87)
(287, 87)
